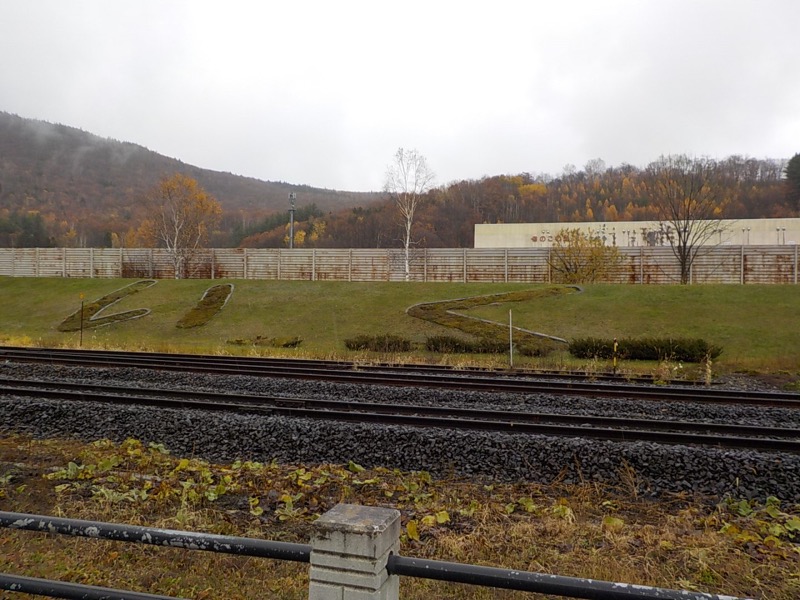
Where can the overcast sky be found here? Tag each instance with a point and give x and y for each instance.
(324, 92)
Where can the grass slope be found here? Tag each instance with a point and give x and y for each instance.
(756, 325)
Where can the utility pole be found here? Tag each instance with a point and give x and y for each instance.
(292, 198)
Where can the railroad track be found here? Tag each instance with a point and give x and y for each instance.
(406, 375)
(597, 427)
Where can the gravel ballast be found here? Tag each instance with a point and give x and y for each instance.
(636, 467)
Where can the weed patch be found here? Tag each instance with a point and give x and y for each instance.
(746, 548)
(213, 300)
(89, 315)
(492, 336)
(270, 342)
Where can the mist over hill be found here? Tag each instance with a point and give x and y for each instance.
(65, 186)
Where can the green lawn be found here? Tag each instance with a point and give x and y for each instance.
(757, 326)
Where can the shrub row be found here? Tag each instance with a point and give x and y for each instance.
(386, 342)
(680, 349)
(444, 344)
(448, 344)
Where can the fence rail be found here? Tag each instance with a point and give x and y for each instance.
(776, 264)
(353, 551)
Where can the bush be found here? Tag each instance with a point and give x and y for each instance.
(591, 348)
(448, 344)
(536, 347)
(379, 343)
(680, 349)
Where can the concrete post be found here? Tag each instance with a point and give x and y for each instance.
(350, 546)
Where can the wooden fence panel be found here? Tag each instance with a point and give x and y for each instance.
(724, 265)
(529, 265)
(231, 263)
(445, 264)
(26, 262)
(770, 264)
(297, 264)
(78, 262)
(487, 266)
(332, 264)
(262, 263)
(649, 265)
(7, 262)
(137, 263)
(50, 262)
(369, 264)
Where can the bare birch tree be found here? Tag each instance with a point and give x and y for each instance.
(408, 179)
(689, 203)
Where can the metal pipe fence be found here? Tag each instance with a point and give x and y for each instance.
(353, 550)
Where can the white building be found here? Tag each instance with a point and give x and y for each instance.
(730, 232)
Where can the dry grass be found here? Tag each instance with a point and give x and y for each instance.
(583, 531)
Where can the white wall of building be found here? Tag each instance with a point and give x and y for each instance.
(747, 232)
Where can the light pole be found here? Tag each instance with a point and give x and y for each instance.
(292, 198)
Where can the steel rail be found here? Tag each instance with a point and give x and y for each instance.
(11, 352)
(260, 404)
(249, 366)
(668, 432)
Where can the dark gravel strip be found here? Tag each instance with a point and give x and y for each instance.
(224, 437)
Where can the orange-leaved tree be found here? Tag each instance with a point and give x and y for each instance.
(181, 216)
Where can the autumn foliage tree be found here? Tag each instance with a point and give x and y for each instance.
(181, 217)
(579, 257)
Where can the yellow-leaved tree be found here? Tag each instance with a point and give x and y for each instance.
(580, 257)
(181, 215)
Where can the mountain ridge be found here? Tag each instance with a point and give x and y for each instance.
(79, 181)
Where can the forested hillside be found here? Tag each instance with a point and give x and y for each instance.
(746, 188)
(60, 186)
(63, 186)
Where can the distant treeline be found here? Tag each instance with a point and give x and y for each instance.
(748, 188)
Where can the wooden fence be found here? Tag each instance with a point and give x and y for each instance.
(776, 264)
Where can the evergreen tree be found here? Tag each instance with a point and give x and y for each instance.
(793, 181)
